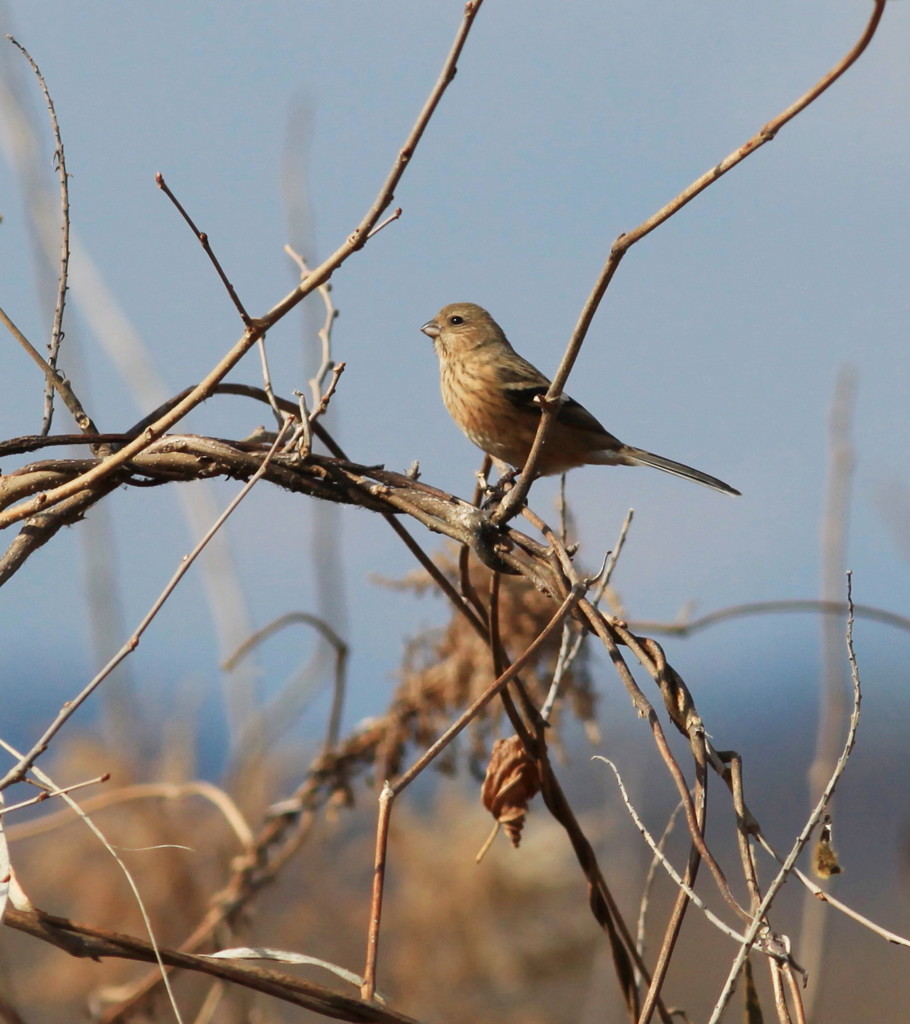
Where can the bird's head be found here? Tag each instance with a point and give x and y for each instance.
(461, 326)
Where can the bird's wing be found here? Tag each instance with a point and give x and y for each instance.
(571, 413)
(574, 414)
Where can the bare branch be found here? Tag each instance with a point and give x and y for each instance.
(83, 940)
(550, 404)
(687, 627)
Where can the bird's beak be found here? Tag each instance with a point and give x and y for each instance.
(431, 329)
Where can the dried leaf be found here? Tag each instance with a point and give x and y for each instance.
(511, 781)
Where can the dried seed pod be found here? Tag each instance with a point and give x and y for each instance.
(824, 859)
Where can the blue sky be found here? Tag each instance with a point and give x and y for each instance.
(718, 343)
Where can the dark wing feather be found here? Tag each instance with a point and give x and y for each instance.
(571, 413)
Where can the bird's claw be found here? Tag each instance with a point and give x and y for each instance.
(494, 493)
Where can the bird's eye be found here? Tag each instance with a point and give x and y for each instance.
(456, 320)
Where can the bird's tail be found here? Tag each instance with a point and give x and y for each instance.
(639, 457)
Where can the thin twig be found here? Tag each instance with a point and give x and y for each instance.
(661, 858)
(567, 650)
(46, 794)
(203, 239)
(302, 438)
(54, 378)
(267, 379)
(648, 885)
(825, 897)
(570, 648)
(681, 903)
(746, 827)
(796, 995)
(386, 797)
(324, 334)
(393, 216)
(323, 404)
(53, 348)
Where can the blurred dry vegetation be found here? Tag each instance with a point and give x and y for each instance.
(567, 918)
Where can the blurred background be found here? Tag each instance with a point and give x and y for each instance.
(719, 343)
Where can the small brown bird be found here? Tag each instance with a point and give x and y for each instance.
(492, 393)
